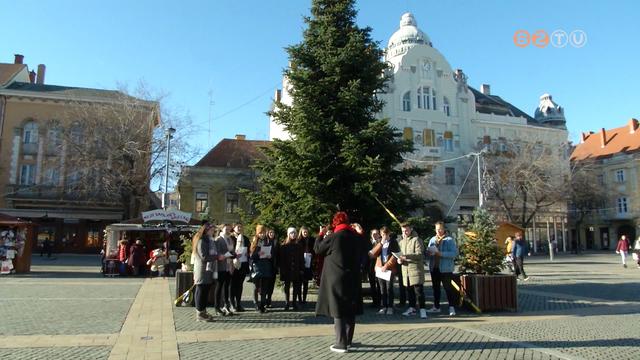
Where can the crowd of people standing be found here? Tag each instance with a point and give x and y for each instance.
(335, 260)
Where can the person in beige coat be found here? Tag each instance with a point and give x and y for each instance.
(412, 261)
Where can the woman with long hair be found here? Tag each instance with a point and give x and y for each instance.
(204, 258)
(307, 242)
(261, 267)
(291, 265)
(271, 281)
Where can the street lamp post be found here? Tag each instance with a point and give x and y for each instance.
(165, 197)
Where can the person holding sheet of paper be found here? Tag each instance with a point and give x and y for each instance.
(412, 261)
(262, 268)
(224, 244)
(442, 251)
(241, 265)
(386, 265)
(291, 266)
(306, 241)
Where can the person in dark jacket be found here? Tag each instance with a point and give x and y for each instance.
(291, 265)
(306, 241)
(385, 261)
(371, 270)
(519, 251)
(241, 265)
(271, 283)
(137, 258)
(262, 267)
(340, 293)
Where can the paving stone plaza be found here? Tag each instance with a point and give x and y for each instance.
(577, 307)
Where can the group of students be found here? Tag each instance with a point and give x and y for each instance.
(223, 258)
(405, 258)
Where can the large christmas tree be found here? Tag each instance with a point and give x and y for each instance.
(340, 155)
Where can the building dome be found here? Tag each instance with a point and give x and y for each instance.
(550, 113)
(408, 34)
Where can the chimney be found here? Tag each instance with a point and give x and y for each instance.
(585, 136)
(41, 70)
(32, 77)
(241, 137)
(18, 58)
(603, 138)
(633, 125)
(278, 95)
(485, 89)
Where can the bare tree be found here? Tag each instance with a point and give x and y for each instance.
(114, 147)
(525, 179)
(586, 194)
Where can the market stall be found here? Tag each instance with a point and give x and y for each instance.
(16, 238)
(155, 229)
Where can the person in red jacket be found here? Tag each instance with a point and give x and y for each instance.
(623, 249)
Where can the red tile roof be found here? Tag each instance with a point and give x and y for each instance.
(233, 153)
(606, 143)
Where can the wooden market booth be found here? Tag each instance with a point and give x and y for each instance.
(16, 239)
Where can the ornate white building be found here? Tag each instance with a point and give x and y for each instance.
(433, 105)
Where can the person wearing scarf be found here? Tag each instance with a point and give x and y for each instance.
(340, 292)
(442, 251)
(225, 267)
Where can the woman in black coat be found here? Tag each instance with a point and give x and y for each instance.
(340, 293)
(291, 265)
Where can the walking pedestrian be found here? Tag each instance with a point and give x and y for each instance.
(340, 293)
(623, 249)
(519, 251)
(636, 252)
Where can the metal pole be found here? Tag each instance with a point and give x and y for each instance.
(564, 237)
(480, 200)
(165, 197)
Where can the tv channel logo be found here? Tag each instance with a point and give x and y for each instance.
(558, 38)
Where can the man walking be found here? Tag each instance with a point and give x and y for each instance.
(442, 251)
(518, 253)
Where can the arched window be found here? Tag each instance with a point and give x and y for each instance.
(445, 106)
(30, 133)
(54, 139)
(406, 101)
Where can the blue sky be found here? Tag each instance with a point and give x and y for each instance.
(235, 51)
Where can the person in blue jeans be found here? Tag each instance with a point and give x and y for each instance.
(518, 252)
(442, 251)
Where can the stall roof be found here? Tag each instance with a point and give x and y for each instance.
(13, 221)
(150, 227)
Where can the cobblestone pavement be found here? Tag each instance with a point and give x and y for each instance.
(44, 353)
(577, 307)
